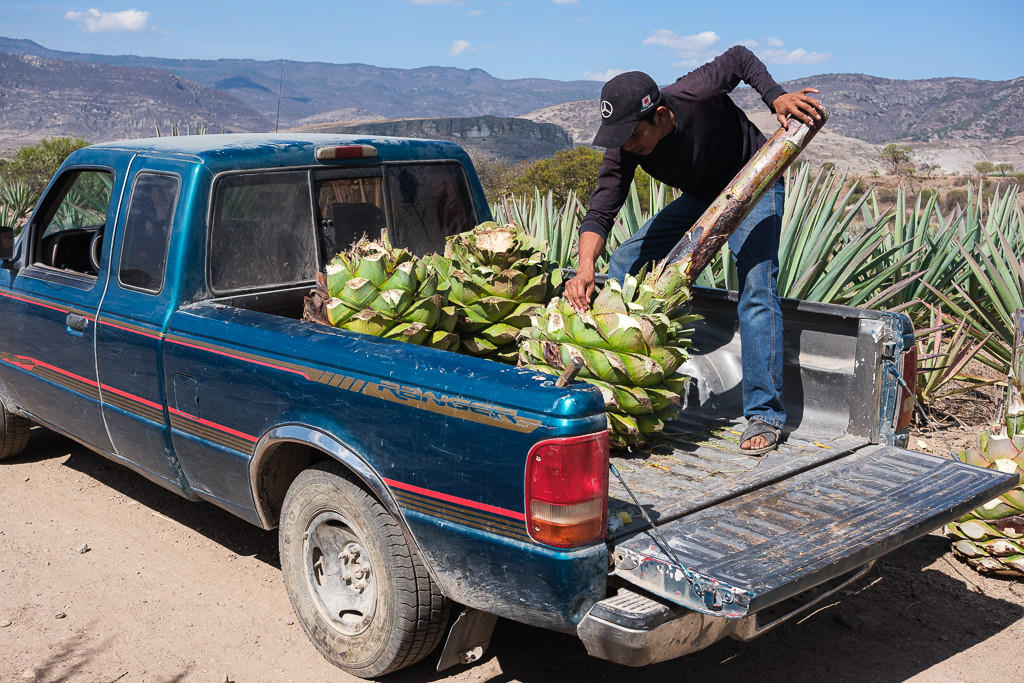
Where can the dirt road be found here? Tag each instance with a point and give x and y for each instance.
(106, 577)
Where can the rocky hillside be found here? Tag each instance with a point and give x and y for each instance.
(951, 123)
(42, 97)
(944, 110)
(310, 88)
(510, 139)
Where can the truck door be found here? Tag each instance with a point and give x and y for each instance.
(49, 363)
(129, 331)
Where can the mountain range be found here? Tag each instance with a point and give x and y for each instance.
(950, 122)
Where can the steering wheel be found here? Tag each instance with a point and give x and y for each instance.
(95, 248)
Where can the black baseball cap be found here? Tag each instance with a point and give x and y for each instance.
(625, 99)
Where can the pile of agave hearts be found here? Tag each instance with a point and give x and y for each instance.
(492, 294)
(629, 345)
(991, 537)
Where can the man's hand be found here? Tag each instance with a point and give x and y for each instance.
(580, 289)
(799, 105)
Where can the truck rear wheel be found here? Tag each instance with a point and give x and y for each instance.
(14, 432)
(360, 591)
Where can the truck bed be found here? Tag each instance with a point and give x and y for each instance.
(752, 531)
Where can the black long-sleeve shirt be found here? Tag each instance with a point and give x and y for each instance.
(712, 140)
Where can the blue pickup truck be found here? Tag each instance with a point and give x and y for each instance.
(152, 310)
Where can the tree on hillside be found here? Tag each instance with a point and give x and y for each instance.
(897, 157)
(35, 165)
(570, 169)
(984, 167)
(1003, 169)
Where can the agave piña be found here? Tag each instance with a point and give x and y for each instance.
(379, 290)
(497, 277)
(630, 345)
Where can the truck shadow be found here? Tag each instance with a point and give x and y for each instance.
(901, 619)
(217, 525)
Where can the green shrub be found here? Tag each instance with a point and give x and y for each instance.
(35, 164)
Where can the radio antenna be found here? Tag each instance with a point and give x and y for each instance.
(280, 85)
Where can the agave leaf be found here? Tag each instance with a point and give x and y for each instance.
(413, 333)
(622, 332)
(609, 299)
(392, 302)
(358, 292)
(500, 334)
(643, 371)
(368, 321)
(490, 308)
(338, 312)
(337, 276)
(426, 311)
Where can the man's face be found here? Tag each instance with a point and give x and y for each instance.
(645, 137)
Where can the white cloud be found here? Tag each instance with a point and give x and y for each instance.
(698, 42)
(798, 56)
(458, 47)
(605, 75)
(566, 2)
(95, 21)
(694, 50)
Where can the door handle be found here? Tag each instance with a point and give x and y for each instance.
(76, 322)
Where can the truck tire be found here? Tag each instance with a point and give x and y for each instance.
(14, 432)
(359, 590)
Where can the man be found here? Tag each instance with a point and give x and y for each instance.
(691, 136)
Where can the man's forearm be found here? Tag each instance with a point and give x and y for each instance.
(591, 246)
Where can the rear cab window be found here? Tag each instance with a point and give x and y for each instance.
(274, 229)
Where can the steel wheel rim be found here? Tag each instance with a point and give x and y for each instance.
(339, 573)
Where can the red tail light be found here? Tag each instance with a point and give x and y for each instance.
(567, 490)
(905, 406)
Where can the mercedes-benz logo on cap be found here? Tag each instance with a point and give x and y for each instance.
(606, 108)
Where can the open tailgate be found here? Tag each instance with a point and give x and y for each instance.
(752, 532)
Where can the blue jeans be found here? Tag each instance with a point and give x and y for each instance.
(755, 247)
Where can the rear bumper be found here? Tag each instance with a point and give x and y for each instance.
(635, 629)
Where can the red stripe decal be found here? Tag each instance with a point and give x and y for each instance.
(455, 499)
(35, 303)
(241, 358)
(130, 330)
(213, 425)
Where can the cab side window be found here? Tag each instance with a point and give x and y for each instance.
(73, 224)
(262, 234)
(147, 231)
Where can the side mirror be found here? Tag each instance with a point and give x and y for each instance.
(6, 242)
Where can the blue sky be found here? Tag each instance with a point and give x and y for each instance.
(558, 39)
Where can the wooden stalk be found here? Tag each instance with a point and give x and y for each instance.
(713, 228)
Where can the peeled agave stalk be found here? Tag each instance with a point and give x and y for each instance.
(991, 537)
(630, 345)
(378, 290)
(497, 277)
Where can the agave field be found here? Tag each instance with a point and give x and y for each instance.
(958, 275)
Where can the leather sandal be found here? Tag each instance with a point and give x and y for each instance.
(759, 428)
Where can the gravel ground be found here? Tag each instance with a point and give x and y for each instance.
(106, 577)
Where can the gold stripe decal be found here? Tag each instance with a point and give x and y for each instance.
(414, 397)
(454, 406)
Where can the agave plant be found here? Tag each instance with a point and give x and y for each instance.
(629, 345)
(497, 277)
(378, 290)
(991, 538)
(942, 358)
(16, 202)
